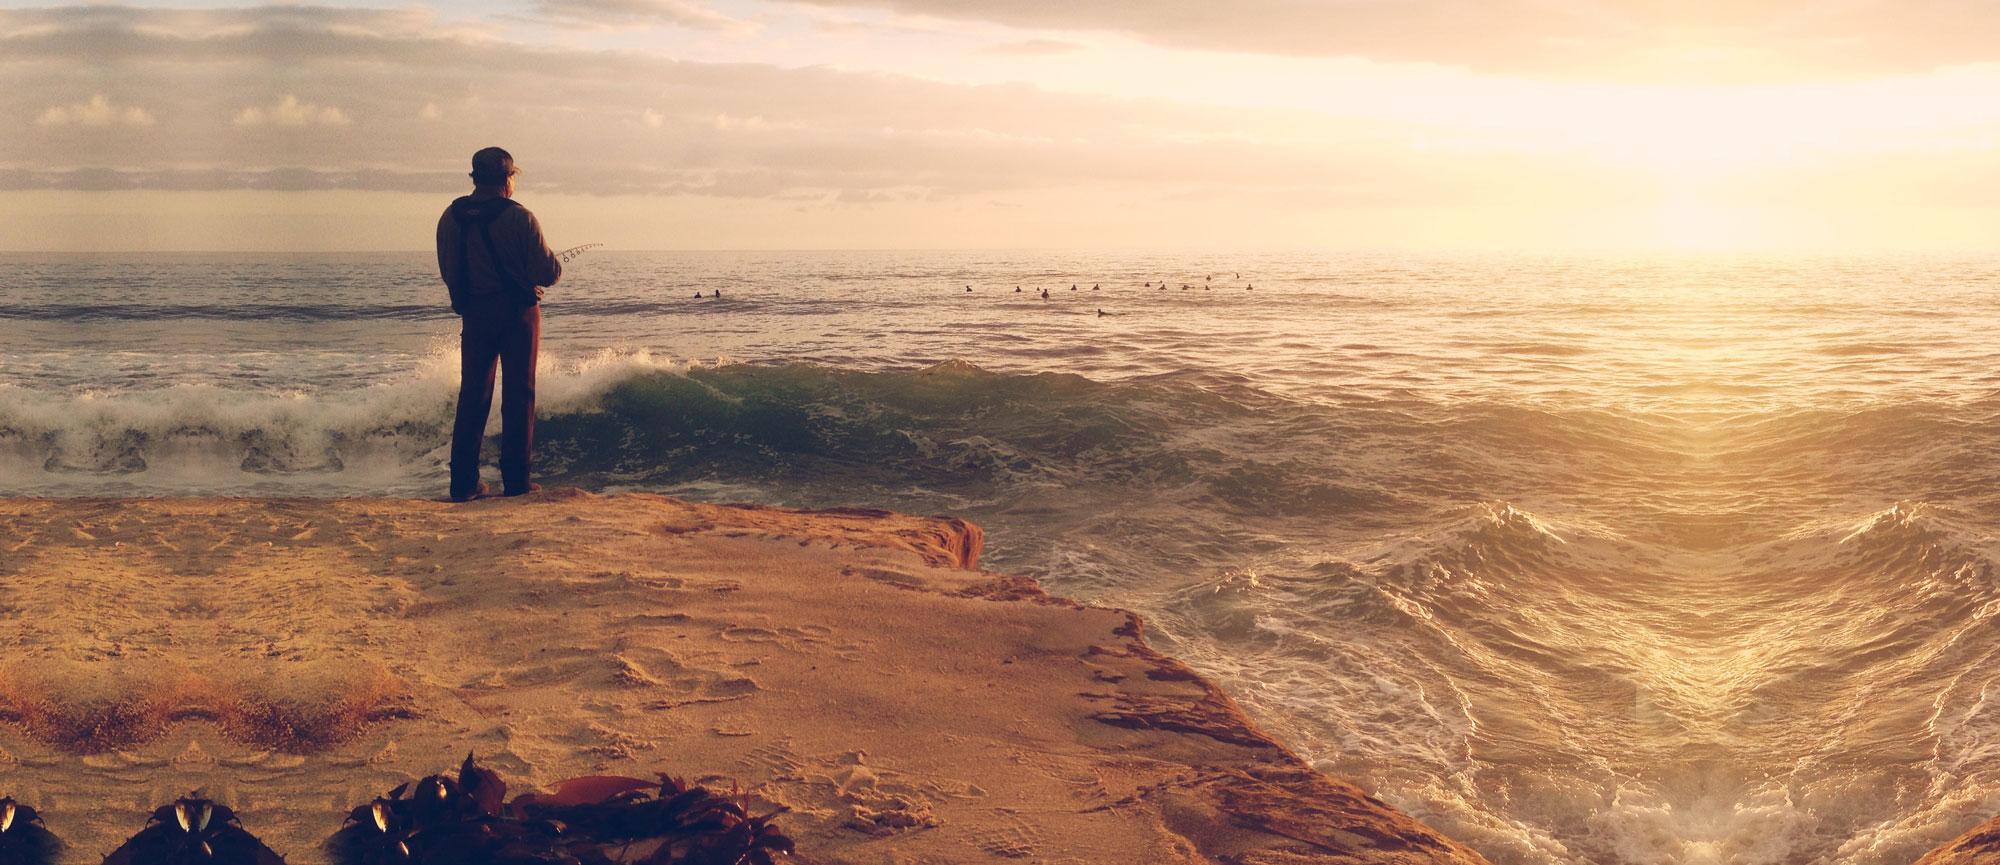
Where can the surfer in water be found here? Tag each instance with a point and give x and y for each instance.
(495, 264)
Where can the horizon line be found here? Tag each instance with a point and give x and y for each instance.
(1635, 252)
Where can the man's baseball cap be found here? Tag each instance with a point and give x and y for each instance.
(493, 164)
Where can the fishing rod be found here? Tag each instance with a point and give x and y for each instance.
(574, 251)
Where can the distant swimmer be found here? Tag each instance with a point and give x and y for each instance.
(1210, 277)
(968, 289)
(718, 292)
(1239, 274)
(1249, 288)
(697, 295)
(1093, 286)
(1017, 289)
(1045, 294)
(1072, 286)
(1101, 313)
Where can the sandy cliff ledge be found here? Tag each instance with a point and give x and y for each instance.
(1978, 846)
(294, 658)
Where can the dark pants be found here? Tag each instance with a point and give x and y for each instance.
(512, 341)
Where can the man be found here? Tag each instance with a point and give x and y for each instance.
(494, 261)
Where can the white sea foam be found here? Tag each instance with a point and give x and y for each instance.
(1586, 563)
(388, 437)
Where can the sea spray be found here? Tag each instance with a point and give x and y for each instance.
(1592, 562)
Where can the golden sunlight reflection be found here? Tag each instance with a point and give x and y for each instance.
(1573, 422)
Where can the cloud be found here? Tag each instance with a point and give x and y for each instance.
(209, 179)
(628, 13)
(755, 122)
(1035, 47)
(1624, 39)
(735, 152)
(619, 124)
(733, 130)
(97, 111)
(839, 26)
(289, 111)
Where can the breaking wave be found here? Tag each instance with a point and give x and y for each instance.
(1561, 636)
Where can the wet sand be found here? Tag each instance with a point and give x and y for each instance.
(294, 658)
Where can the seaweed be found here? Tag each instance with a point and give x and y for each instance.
(462, 819)
(193, 831)
(596, 820)
(23, 838)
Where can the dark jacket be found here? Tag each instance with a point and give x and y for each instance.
(525, 264)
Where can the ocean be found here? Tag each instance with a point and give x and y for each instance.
(1581, 560)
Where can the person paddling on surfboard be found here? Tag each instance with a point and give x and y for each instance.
(495, 264)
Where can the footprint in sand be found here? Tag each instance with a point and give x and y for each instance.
(610, 743)
(733, 728)
(264, 760)
(777, 759)
(749, 634)
(194, 609)
(629, 580)
(1013, 838)
(654, 669)
(890, 815)
(797, 638)
(863, 798)
(625, 673)
(1081, 782)
(899, 579)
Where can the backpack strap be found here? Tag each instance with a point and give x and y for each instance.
(483, 220)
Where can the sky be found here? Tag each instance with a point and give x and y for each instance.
(1511, 125)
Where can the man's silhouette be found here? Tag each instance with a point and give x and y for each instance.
(495, 262)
